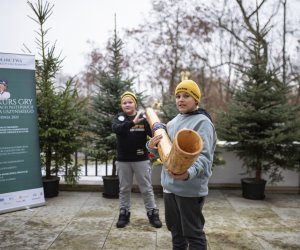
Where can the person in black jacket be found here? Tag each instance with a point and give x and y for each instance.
(132, 130)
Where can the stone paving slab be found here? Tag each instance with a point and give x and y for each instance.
(86, 220)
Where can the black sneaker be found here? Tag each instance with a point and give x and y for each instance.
(153, 217)
(123, 218)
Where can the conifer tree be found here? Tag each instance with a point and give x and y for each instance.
(111, 85)
(60, 111)
(259, 120)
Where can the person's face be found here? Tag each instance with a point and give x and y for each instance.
(2, 87)
(128, 106)
(185, 102)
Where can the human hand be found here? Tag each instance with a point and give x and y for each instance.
(139, 117)
(184, 176)
(154, 141)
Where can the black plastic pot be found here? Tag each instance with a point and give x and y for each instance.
(252, 189)
(51, 186)
(110, 186)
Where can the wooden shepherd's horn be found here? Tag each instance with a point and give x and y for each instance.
(184, 151)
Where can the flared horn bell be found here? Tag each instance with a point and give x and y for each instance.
(185, 150)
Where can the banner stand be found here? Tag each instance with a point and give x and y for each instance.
(21, 184)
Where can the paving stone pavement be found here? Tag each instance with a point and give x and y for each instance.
(86, 220)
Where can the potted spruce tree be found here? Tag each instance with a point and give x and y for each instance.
(104, 105)
(60, 111)
(260, 123)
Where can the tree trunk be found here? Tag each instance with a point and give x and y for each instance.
(48, 162)
(114, 167)
(258, 171)
(284, 44)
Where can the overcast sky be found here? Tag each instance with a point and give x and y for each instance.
(72, 23)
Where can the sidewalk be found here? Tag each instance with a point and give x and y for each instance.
(86, 220)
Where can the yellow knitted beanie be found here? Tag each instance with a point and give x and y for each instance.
(131, 95)
(190, 87)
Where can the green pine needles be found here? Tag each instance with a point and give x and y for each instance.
(260, 121)
(61, 112)
(105, 104)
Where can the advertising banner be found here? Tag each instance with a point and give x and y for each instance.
(20, 169)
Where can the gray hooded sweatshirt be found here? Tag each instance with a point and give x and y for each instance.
(201, 170)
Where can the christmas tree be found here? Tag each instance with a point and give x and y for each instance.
(259, 120)
(111, 85)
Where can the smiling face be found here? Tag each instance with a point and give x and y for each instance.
(185, 102)
(128, 106)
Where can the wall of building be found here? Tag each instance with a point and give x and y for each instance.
(232, 172)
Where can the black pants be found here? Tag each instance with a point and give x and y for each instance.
(185, 221)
